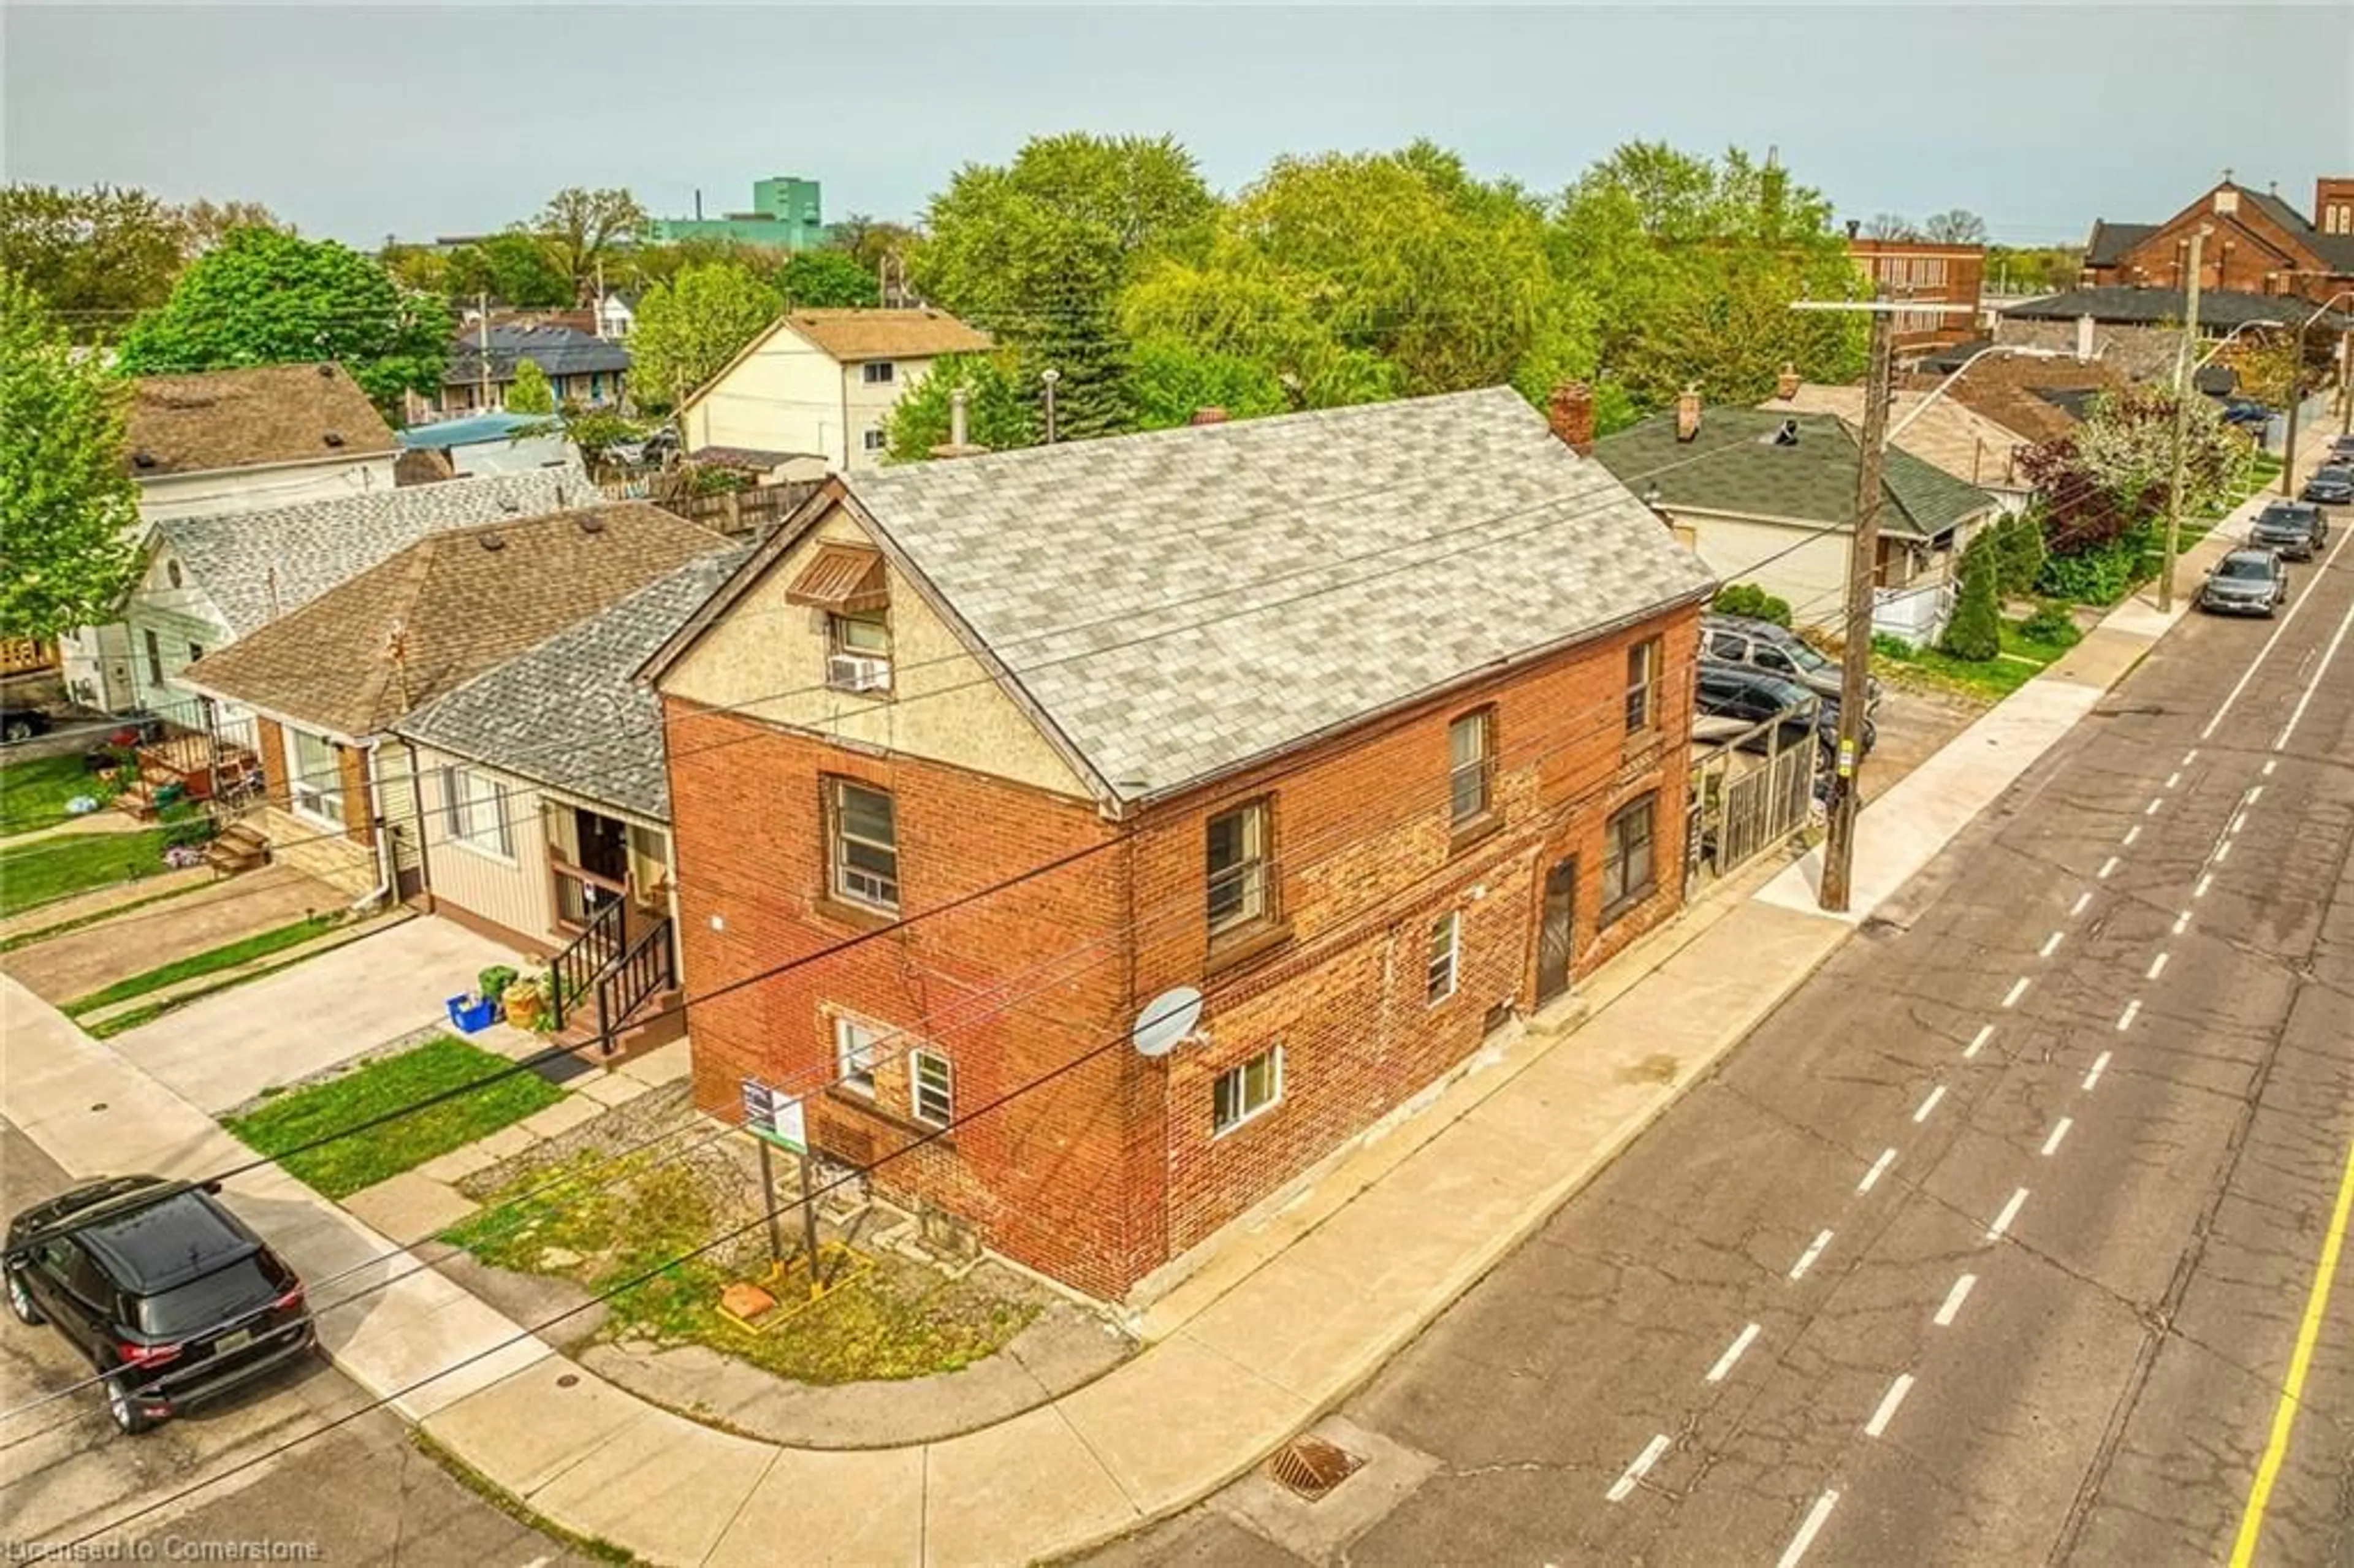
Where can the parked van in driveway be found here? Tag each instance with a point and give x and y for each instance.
(1778, 651)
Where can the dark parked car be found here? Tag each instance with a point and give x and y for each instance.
(1776, 650)
(2332, 483)
(2245, 582)
(2342, 450)
(2241, 411)
(19, 721)
(1740, 692)
(168, 1294)
(2295, 528)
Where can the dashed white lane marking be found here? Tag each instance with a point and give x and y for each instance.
(1732, 1354)
(2051, 945)
(1807, 1530)
(2182, 922)
(1888, 1403)
(1807, 1258)
(2172, 779)
(1929, 1105)
(2133, 1010)
(2107, 866)
(2083, 899)
(2238, 821)
(2151, 810)
(2010, 1213)
(2271, 763)
(2222, 852)
(2158, 966)
(2100, 1065)
(2255, 793)
(2059, 1132)
(2328, 657)
(2190, 757)
(2204, 884)
(2018, 989)
(1879, 1168)
(2132, 833)
(1624, 1487)
(1954, 1300)
(1977, 1040)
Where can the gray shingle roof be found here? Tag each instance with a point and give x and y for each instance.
(568, 714)
(2111, 241)
(1181, 603)
(2338, 250)
(1735, 465)
(2219, 309)
(258, 566)
(557, 349)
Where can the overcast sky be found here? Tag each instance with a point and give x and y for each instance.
(363, 121)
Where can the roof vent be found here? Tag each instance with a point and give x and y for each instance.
(591, 523)
(142, 458)
(1788, 436)
(493, 542)
(508, 505)
(332, 438)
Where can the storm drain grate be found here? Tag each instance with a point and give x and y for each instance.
(1311, 1467)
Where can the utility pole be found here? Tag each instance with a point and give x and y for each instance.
(2345, 381)
(1050, 376)
(1855, 659)
(482, 353)
(2184, 360)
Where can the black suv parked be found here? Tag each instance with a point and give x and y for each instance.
(1738, 692)
(2295, 528)
(2331, 483)
(166, 1291)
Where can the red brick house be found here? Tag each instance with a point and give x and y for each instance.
(1370, 726)
(2261, 245)
(1931, 274)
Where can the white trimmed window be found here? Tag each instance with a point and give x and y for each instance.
(1628, 873)
(878, 373)
(314, 776)
(1470, 766)
(931, 1089)
(855, 1051)
(1446, 948)
(875, 438)
(865, 845)
(1642, 680)
(1236, 854)
(476, 810)
(1243, 1092)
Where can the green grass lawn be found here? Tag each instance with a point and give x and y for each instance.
(1994, 678)
(260, 944)
(34, 794)
(43, 869)
(323, 1110)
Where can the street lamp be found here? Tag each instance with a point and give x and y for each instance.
(2296, 388)
(2018, 350)
(1050, 376)
(2225, 340)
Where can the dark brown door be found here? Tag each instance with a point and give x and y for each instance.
(604, 845)
(1557, 937)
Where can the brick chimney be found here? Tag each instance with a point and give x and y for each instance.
(1208, 417)
(1786, 386)
(1571, 414)
(1688, 414)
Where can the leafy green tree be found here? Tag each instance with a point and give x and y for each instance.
(1002, 408)
(580, 227)
(1690, 265)
(597, 431)
(826, 279)
(529, 392)
(68, 551)
(512, 269)
(867, 239)
(2034, 270)
(1975, 632)
(96, 256)
(1170, 380)
(2019, 545)
(689, 327)
(267, 298)
(1038, 250)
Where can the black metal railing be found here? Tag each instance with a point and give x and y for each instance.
(644, 968)
(573, 973)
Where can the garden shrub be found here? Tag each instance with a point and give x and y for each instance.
(1976, 631)
(1749, 599)
(2051, 625)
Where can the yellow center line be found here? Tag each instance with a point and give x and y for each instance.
(2252, 1522)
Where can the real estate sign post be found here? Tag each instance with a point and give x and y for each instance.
(778, 1118)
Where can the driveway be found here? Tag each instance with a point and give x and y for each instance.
(222, 1051)
(94, 957)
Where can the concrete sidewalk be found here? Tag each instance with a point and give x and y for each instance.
(1297, 1308)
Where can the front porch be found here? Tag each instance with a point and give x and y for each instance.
(610, 888)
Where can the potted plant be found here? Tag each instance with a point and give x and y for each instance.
(523, 1000)
(493, 982)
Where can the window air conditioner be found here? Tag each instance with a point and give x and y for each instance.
(856, 672)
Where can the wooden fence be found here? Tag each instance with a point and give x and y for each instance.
(748, 513)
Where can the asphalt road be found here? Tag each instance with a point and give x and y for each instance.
(1996, 1243)
(360, 1495)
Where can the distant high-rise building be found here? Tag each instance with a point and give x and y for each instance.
(787, 212)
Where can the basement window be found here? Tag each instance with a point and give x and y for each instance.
(1446, 949)
(1248, 1091)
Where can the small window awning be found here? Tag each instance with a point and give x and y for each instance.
(845, 579)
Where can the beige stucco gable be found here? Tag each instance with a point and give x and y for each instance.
(766, 657)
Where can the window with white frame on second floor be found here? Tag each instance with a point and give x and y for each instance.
(855, 1050)
(874, 439)
(865, 853)
(1643, 685)
(858, 650)
(1471, 766)
(878, 373)
(1235, 845)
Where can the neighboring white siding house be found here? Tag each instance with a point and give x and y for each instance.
(814, 390)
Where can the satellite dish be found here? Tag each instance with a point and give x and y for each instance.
(1166, 1020)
